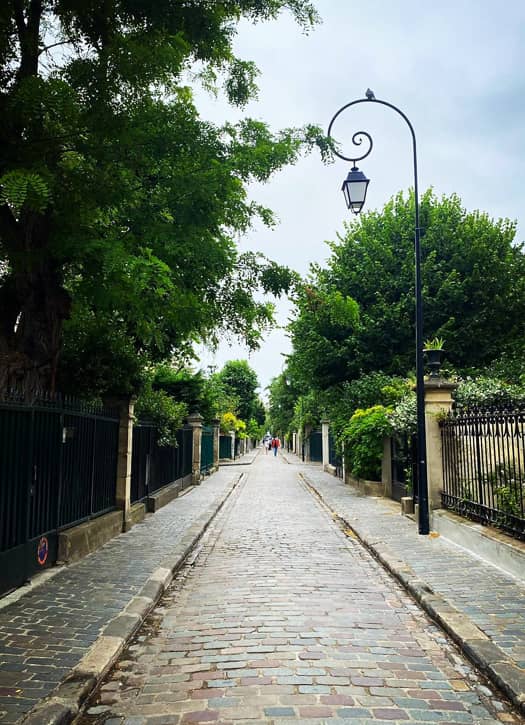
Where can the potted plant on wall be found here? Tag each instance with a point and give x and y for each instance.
(434, 350)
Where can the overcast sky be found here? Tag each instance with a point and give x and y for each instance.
(455, 68)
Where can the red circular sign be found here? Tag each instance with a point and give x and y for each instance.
(42, 550)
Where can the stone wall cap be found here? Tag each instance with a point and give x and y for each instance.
(440, 384)
(195, 418)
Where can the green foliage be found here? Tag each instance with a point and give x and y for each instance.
(307, 411)
(320, 333)
(158, 407)
(363, 440)
(282, 400)
(254, 429)
(193, 389)
(403, 418)
(229, 422)
(473, 290)
(23, 188)
(117, 201)
(239, 381)
(434, 343)
(485, 392)
(368, 390)
(111, 369)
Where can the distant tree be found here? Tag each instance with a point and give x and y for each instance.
(282, 399)
(240, 381)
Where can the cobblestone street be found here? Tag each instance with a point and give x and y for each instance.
(279, 616)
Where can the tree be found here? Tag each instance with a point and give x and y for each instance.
(119, 206)
(473, 290)
(282, 398)
(239, 381)
(321, 334)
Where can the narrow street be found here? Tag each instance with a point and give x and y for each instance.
(280, 616)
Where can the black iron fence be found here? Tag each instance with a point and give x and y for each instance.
(334, 457)
(484, 467)
(154, 466)
(404, 467)
(58, 463)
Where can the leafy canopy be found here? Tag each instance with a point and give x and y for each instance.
(119, 205)
(473, 290)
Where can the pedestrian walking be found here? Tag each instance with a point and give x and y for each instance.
(276, 444)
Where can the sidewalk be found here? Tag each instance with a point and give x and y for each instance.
(69, 628)
(481, 608)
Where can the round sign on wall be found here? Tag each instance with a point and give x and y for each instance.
(42, 550)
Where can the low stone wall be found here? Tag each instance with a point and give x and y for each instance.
(163, 497)
(137, 513)
(486, 542)
(368, 488)
(81, 540)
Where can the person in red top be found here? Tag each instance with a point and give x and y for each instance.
(276, 444)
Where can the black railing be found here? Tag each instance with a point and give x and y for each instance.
(404, 467)
(334, 457)
(154, 466)
(484, 467)
(58, 462)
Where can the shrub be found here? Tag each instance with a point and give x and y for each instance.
(167, 414)
(403, 418)
(363, 440)
(487, 392)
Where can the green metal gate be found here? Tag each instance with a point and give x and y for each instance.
(206, 449)
(225, 447)
(316, 446)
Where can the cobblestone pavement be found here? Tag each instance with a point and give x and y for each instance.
(44, 634)
(493, 600)
(281, 617)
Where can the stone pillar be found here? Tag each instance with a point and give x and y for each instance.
(325, 436)
(386, 467)
(195, 423)
(125, 445)
(216, 433)
(438, 402)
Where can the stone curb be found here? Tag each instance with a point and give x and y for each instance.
(226, 463)
(64, 703)
(474, 643)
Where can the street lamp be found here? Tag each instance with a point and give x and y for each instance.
(354, 189)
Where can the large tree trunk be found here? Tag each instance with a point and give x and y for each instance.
(33, 302)
(33, 306)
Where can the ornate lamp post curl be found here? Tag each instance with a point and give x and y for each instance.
(354, 188)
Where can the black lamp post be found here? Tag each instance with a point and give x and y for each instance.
(354, 189)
